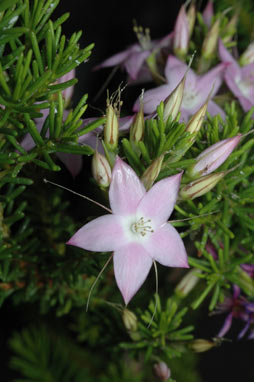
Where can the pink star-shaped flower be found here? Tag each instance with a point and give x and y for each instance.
(137, 231)
(133, 59)
(240, 80)
(197, 89)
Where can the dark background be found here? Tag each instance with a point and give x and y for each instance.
(109, 25)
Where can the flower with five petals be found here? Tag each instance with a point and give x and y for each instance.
(196, 90)
(137, 231)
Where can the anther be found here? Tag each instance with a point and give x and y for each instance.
(142, 227)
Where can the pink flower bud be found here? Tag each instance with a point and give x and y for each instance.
(201, 186)
(101, 169)
(181, 34)
(162, 371)
(210, 159)
(208, 13)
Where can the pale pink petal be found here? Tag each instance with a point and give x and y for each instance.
(92, 139)
(116, 59)
(181, 31)
(233, 81)
(226, 326)
(226, 57)
(215, 109)
(246, 103)
(125, 122)
(164, 42)
(125, 190)
(135, 62)
(131, 266)
(28, 143)
(144, 75)
(185, 115)
(175, 70)
(212, 80)
(166, 246)
(159, 201)
(72, 162)
(244, 330)
(152, 98)
(208, 13)
(103, 234)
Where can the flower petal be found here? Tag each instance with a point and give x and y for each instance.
(166, 246)
(125, 190)
(102, 234)
(131, 265)
(116, 59)
(135, 62)
(225, 56)
(226, 326)
(159, 201)
(153, 97)
(125, 122)
(244, 330)
(175, 70)
(212, 80)
(72, 162)
(215, 109)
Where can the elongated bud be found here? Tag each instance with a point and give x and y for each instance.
(151, 173)
(200, 345)
(138, 126)
(130, 320)
(173, 102)
(210, 159)
(248, 56)
(101, 169)
(230, 29)
(197, 119)
(208, 13)
(181, 34)
(111, 128)
(209, 47)
(191, 17)
(188, 282)
(201, 186)
(162, 370)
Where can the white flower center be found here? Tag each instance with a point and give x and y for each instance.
(143, 37)
(190, 99)
(142, 227)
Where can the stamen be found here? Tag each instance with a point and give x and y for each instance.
(143, 37)
(142, 227)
